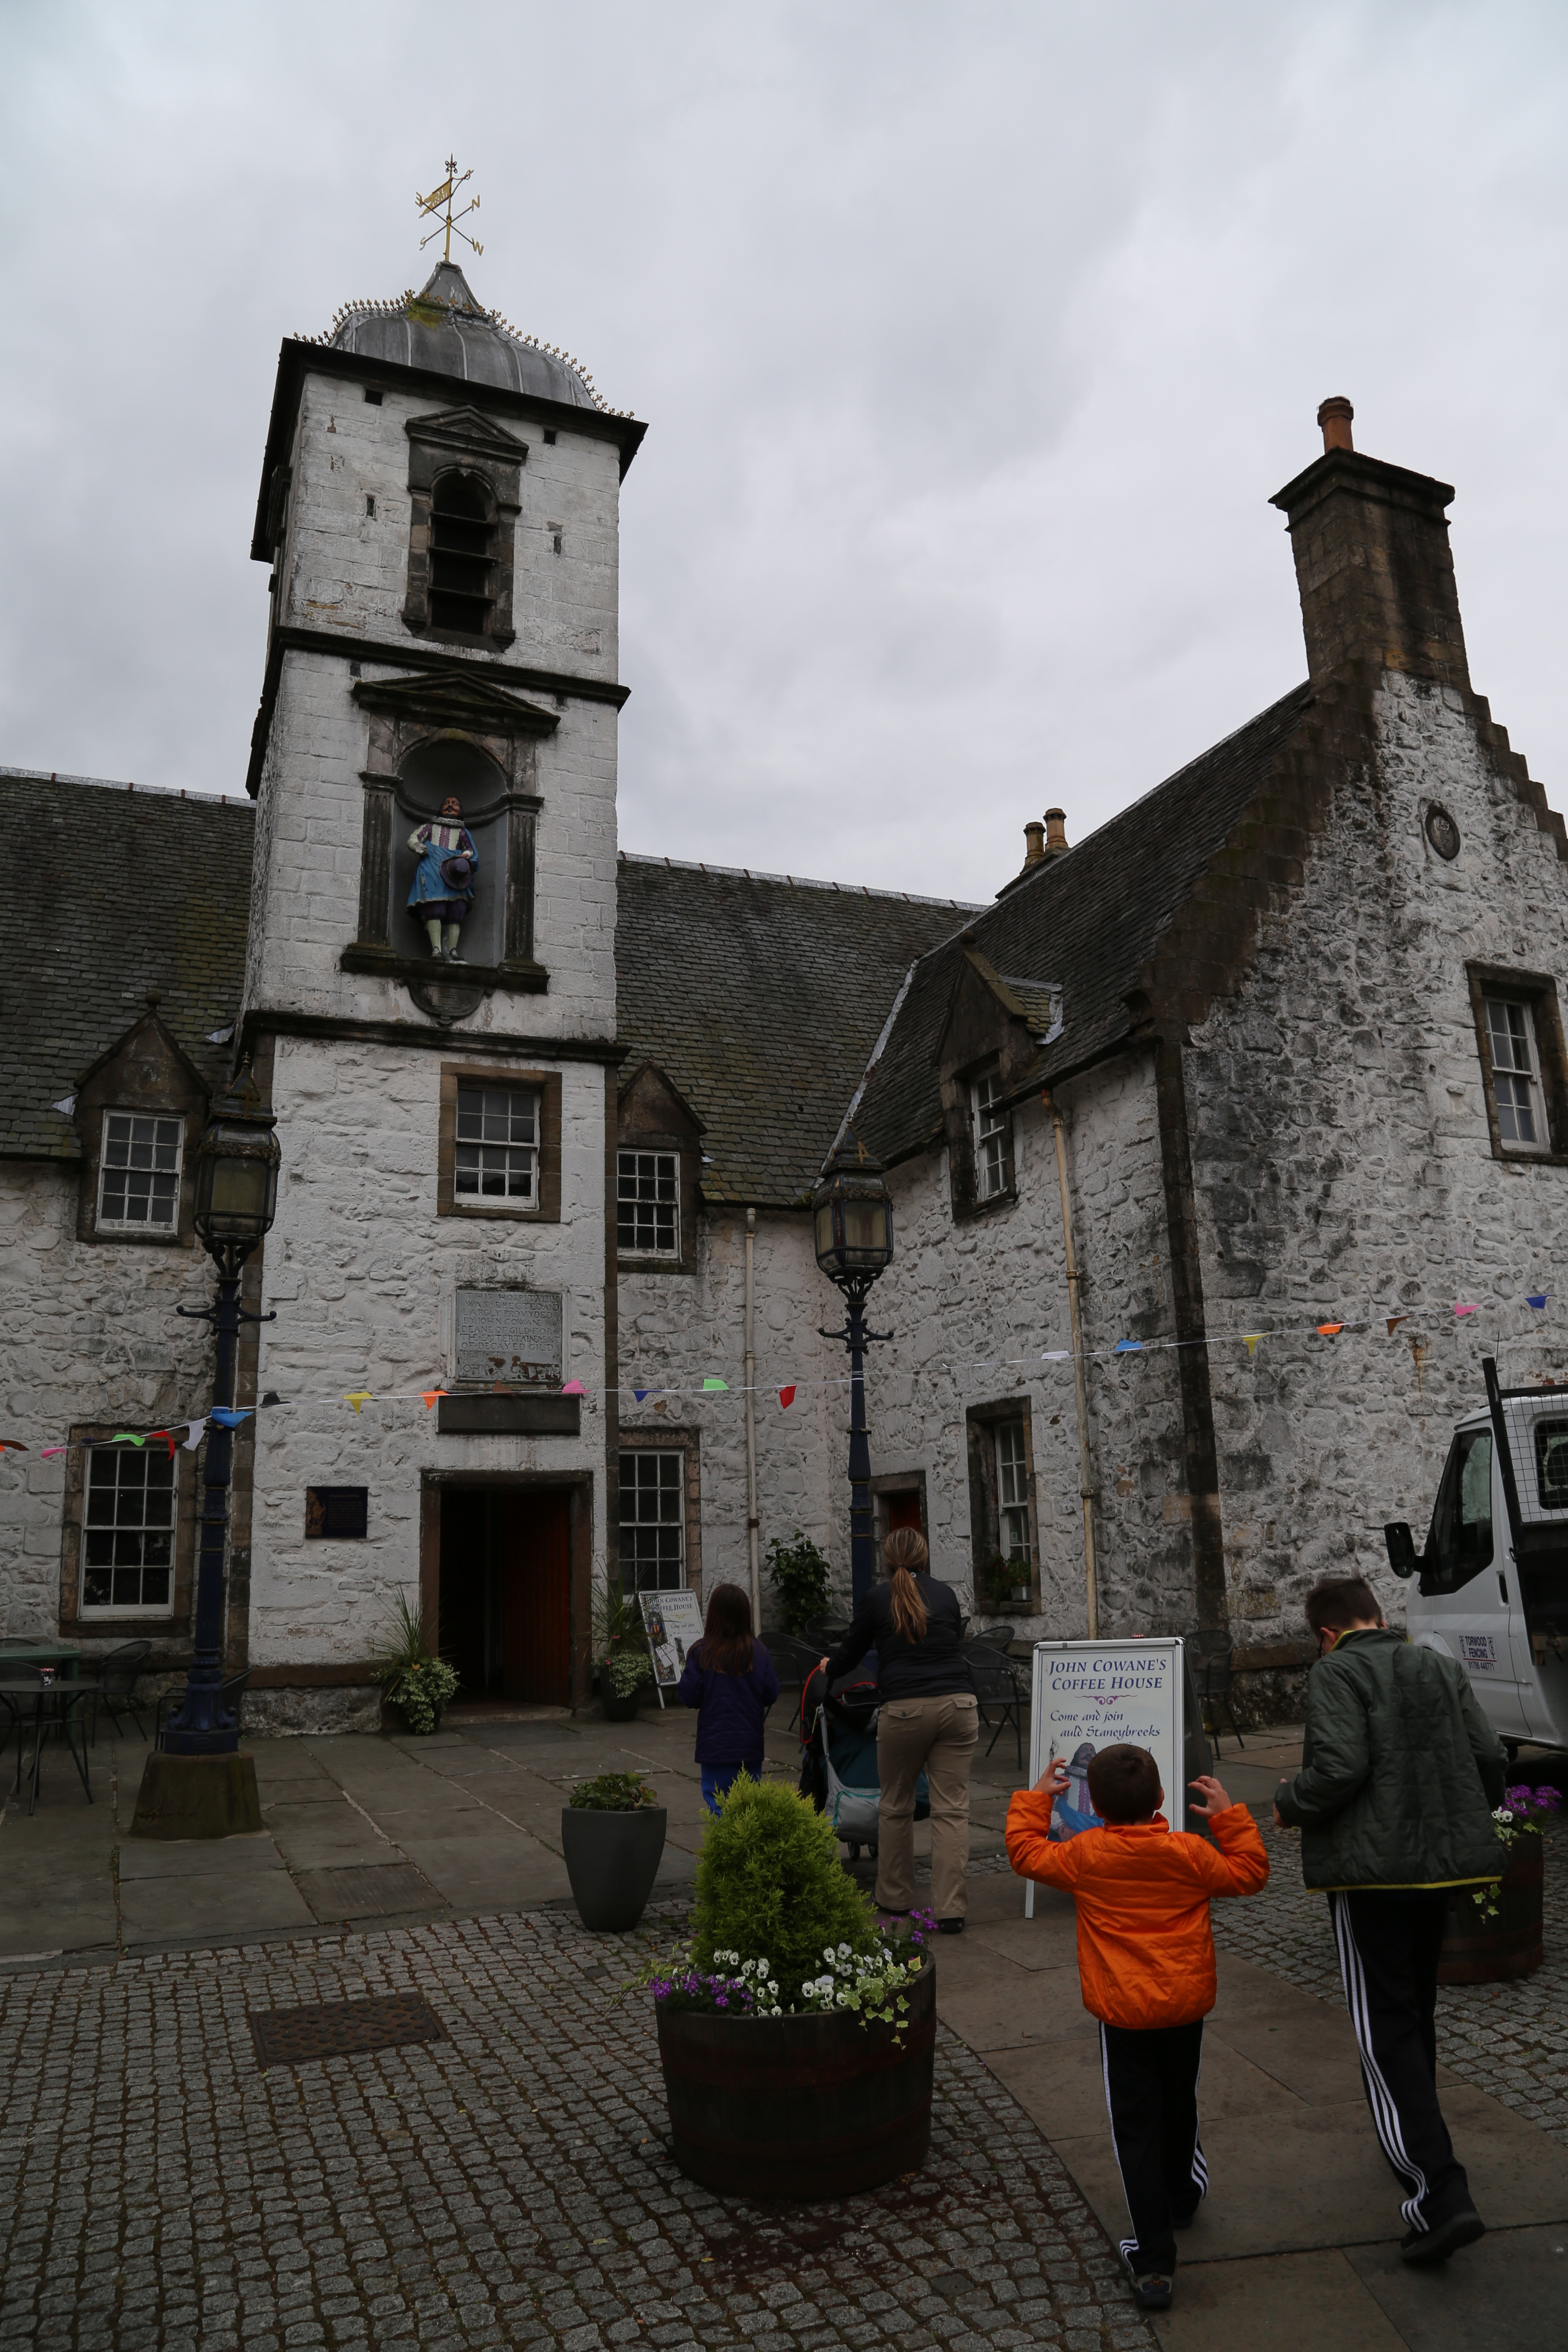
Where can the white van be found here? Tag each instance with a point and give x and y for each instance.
(1493, 1579)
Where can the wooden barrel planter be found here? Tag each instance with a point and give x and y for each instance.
(1478, 1950)
(799, 2108)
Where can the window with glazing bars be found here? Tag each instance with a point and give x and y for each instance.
(647, 1205)
(653, 1521)
(1012, 1491)
(461, 560)
(139, 1178)
(496, 1154)
(128, 1538)
(1515, 1083)
(993, 1170)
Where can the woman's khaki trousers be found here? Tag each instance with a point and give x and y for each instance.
(938, 1736)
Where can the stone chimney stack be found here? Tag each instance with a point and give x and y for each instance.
(1056, 832)
(1373, 562)
(1033, 844)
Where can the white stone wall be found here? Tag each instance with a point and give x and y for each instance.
(362, 1274)
(1343, 1167)
(344, 570)
(92, 1335)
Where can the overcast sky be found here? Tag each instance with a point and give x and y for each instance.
(973, 339)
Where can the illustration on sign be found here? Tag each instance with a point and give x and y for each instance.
(510, 1335)
(672, 1622)
(1094, 1695)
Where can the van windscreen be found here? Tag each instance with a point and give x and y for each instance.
(1551, 1464)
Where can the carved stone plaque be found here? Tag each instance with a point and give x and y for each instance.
(510, 1335)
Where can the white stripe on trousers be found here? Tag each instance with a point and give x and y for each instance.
(1379, 2098)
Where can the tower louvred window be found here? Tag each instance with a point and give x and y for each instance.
(462, 559)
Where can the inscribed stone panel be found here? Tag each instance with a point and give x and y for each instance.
(510, 1335)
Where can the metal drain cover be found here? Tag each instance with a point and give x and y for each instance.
(289, 2037)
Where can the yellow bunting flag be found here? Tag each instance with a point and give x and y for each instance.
(1252, 1338)
(358, 1398)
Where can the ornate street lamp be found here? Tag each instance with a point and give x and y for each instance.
(236, 1200)
(852, 1213)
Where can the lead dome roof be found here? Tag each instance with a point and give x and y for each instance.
(446, 329)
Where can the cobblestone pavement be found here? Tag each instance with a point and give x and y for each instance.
(506, 2187)
(1510, 2040)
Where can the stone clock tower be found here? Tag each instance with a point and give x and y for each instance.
(439, 511)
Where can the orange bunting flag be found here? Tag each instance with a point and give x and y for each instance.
(1252, 1338)
(786, 1398)
(358, 1398)
(430, 1396)
(1466, 1310)
(1394, 1322)
(1327, 1330)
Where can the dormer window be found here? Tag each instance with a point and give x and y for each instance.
(138, 1174)
(462, 556)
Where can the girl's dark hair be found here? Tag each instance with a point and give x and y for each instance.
(905, 1553)
(727, 1645)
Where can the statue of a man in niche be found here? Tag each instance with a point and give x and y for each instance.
(443, 887)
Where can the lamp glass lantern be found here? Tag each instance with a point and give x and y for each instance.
(853, 1218)
(236, 1173)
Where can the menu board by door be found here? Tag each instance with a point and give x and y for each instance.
(672, 1622)
(1093, 1695)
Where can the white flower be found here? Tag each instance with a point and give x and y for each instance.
(844, 1951)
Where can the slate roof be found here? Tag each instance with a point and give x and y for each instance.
(1087, 921)
(447, 330)
(121, 890)
(760, 998)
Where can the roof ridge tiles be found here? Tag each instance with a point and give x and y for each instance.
(125, 784)
(794, 881)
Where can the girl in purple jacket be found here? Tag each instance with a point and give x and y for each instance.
(730, 1680)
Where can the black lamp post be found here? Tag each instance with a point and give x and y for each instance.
(852, 1210)
(236, 1202)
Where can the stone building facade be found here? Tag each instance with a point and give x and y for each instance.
(1280, 1046)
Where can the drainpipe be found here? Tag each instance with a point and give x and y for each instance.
(752, 1429)
(1085, 1464)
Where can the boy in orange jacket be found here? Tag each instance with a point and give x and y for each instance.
(1145, 1960)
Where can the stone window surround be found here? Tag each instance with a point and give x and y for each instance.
(1539, 990)
(981, 1421)
(546, 1085)
(638, 1438)
(462, 441)
(138, 1229)
(145, 1075)
(653, 1258)
(126, 1625)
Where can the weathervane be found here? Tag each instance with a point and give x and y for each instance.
(444, 195)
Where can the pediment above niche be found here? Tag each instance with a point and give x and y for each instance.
(455, 697)
(468, 433)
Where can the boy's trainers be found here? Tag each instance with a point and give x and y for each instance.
(1152, 2290)
(1445, 2238)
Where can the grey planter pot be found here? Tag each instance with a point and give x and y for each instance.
(612, 1860)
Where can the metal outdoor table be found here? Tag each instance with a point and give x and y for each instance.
(63, 1655)
(49, 1706)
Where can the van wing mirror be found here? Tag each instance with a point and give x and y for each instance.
(1401, 1545)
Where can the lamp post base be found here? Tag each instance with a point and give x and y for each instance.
(198, 1797)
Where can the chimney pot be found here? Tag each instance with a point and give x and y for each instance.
(1334, 417)
(1034, 843)
(1056, 832)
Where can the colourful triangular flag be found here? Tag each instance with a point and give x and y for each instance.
(573, 1388)
(1327, 1330)
(1127, 1348)
(228, 1416)
(49, 1452)
(712, 1382)
(193, 1436)
(786, 1398)
(358, 1398)
(1057, 1356)
(1252, 1338)
(1537, 1298)
(642, 1395)
(167, 1437)
(1466, 1310)
(12, 1445)
(430, 1396)
(126, 1437)
(1394, 1322)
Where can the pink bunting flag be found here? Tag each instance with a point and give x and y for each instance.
(49, 1452)
(573, 1388)
(786, 1398)
(1466, 1310)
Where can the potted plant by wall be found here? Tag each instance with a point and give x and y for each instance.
(625, 1670)
(1496, 1932)
(796, 2030)
(612, 1834)
(415, 1682)
(1000, 1584)
(802, 1580)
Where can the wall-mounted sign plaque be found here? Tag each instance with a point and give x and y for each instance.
(510, 1335)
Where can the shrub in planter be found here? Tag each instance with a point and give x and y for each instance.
(801, 1577)
(413, 1679)
(796, 2030)
(624, 1675)
(612, 1835)
(1496, 1932)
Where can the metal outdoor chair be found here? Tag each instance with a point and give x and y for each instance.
(19, 1686)
(794, 1660)
(230, 1695)
(997, 1691)
(45, 1707)
(1000, 1636)
(116, 1685)
(1213, 1677)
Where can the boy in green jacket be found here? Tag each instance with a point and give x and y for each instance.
(1400, 1771)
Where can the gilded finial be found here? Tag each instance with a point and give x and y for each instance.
(443, 196)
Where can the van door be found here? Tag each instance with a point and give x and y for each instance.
(1542, 1480)
(1465, 1580)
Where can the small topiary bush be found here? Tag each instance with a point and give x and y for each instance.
(770, 1886)
(613, 1792)
(802, 1579)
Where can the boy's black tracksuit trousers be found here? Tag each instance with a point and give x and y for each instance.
(1152, 2090)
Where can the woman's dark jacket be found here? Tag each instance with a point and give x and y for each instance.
(933, 1668)
(732, 1706)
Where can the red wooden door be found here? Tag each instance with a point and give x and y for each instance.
(534, 1564)
(904, 1509)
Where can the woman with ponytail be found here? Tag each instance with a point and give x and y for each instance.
(927, 1722)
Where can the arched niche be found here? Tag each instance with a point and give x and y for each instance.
(451, 767)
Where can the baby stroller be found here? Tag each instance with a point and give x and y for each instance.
(838, 1759)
